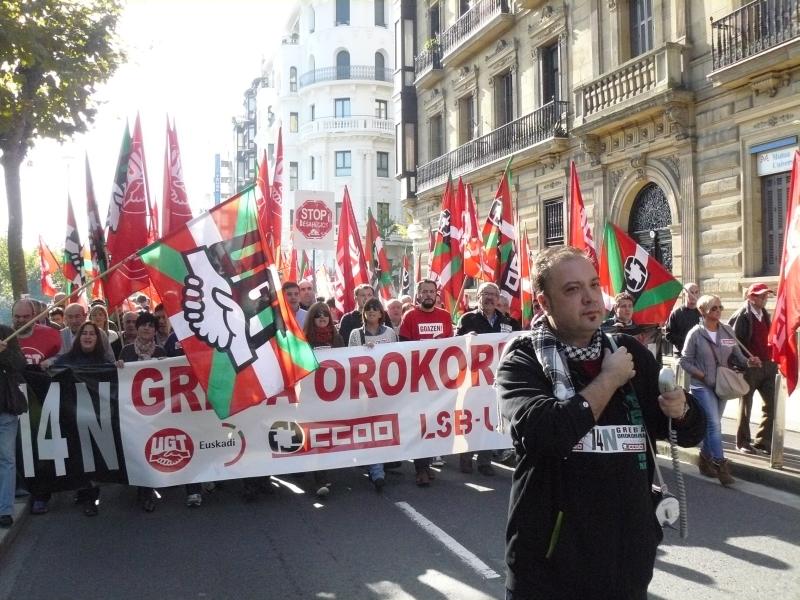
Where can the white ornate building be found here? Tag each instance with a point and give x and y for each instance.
(328, 83)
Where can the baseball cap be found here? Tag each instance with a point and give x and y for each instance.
(758, 289)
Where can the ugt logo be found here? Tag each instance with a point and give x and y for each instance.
(169, 450)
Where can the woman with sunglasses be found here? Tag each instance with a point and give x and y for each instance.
(373, 331)
(708, 344)
(320, 332)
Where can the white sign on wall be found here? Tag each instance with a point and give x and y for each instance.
(314, 220)
(776, 161)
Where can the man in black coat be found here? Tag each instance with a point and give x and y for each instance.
(581, 406)
(683, 318)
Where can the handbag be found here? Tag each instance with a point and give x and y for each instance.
(729, 383)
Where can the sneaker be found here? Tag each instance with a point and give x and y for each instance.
(487, 470)
(762, 449)
(379, 483)
(323, 491)
(423, 479)
(437, 461)
(746, 449)
(6, 521)
(194, 500)
(39, 507)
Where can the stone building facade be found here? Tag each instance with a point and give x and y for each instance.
(681, 117)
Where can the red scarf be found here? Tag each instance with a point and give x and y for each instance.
(323, 337)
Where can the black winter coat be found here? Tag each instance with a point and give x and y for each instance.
(603, 545)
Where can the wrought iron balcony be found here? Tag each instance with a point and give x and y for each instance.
(477, 27)
(354, 124)
(753, 29)
(543, 124)
(632, 86)
(428, 65)
(359, 72)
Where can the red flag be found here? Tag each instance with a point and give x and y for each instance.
(580, 234)
(176, 204)
(48, 266)
(128, 227)
(786, 320)
(526, 282)
(471, 238)
(263, 202)
(275, 205)
(293, 270)
(305, 268)
(417, 272)
(351, 267)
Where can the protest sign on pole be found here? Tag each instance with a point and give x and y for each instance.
(314, 220)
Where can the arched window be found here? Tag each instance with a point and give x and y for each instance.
(343, 65)
(380, 67)
(293, 79)
(649, 223)
(311, 19)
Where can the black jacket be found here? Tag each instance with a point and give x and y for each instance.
(475, 321)
(12, 365)
(742, 323)
(605, 546)
(680, 322)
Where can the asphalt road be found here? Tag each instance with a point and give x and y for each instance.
(445, 542)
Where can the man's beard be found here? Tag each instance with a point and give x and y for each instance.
(427, 303)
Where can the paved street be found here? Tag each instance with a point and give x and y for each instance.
(445, 542)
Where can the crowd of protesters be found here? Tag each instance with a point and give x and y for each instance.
(77, 336)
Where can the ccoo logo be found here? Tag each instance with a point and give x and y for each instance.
(285, 437)
(169, 450)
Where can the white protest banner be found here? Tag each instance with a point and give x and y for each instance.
(362, 406)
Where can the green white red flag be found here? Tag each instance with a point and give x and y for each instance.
(224, 303)
(351, 265)
(73, 254)
(377, 263)
(501, 263)
(626, 266)
(48, 266)
(580, 234)
(526, 281)
(447, 266)
(128, 227)
(786, 317)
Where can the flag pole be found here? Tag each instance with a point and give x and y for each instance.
(64, 300)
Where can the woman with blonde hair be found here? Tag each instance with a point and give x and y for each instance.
(709, 344)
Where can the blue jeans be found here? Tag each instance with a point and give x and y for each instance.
(713, 407)
(8, 462)
(376, 472)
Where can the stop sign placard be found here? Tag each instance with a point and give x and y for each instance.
(313, 219)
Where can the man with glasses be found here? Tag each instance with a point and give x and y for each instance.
(425, 322)
(484, 319)
(751, 324)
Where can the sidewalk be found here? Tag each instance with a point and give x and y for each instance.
(749, 467)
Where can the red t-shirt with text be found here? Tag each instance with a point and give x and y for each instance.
(420, 325)
(43, 343)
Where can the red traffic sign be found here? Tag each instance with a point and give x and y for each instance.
(313, 219)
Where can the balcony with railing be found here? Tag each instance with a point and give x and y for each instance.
(546, 124)
(428, 65)
(764, 34)
(634, 88)
(353, 124)
(354, 72)
(475, 29)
